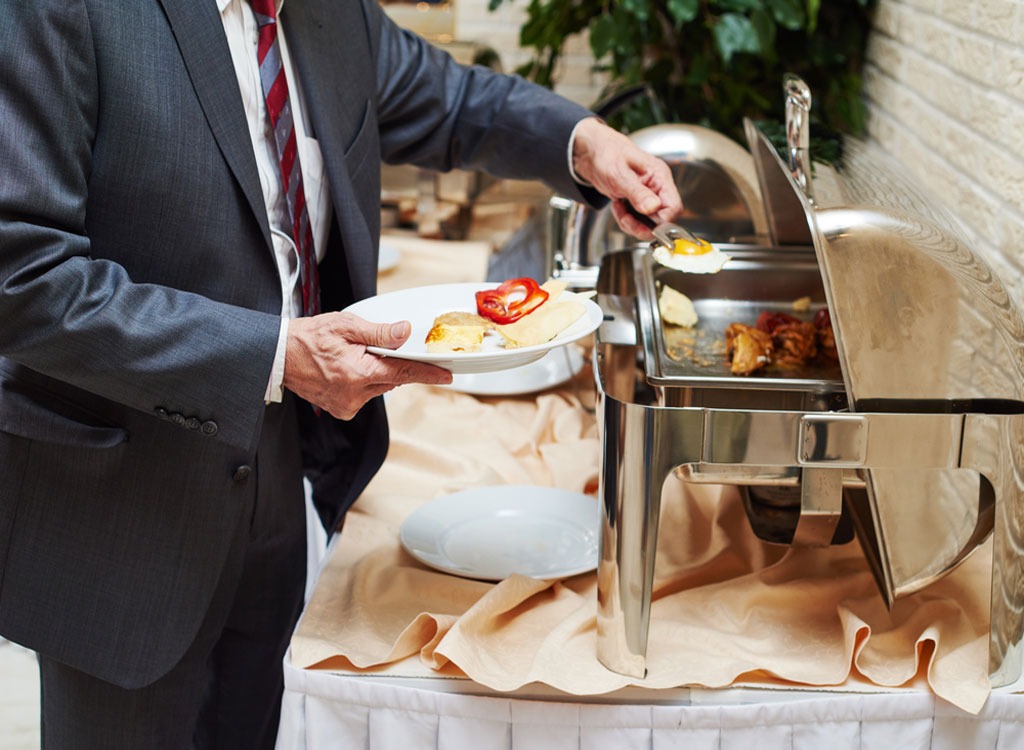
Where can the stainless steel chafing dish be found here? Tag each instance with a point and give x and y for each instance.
(913, 441)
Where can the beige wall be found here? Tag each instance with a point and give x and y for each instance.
(945, 90)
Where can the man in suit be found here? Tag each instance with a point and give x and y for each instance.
(164, 383)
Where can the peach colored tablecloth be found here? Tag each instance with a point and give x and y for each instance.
(422, 262)
(727, 608)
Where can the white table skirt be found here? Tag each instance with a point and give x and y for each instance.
(329, 710)
(324, 710)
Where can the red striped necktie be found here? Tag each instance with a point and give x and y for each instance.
(275, 91)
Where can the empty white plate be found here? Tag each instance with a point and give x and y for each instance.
(387, 257)
(489, 533)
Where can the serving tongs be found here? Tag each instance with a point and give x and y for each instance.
(667, 233)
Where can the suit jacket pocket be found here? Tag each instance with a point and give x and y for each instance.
(26, 416)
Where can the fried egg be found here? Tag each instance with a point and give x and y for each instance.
(691, 257)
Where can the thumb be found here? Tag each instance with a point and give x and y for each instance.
(389, 335)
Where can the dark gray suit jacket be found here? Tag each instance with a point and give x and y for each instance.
(139, 298)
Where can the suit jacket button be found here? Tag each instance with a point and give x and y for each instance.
(178, 419)
(209, 428)
(242, 473)
(192, 423)
(161, 412)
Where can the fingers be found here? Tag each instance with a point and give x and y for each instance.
(635, 190)
(326, 362)
(668, 194)
(646, 183)
(389, 372)
(652, 189)
(381, 375)
(384, 374)
(629, 223)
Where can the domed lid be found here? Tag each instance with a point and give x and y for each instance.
(917, 315)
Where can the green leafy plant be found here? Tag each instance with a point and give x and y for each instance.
(711, 62)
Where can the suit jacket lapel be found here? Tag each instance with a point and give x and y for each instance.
(200, 35)
(335, 78)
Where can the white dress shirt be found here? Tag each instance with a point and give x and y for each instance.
(242, 35)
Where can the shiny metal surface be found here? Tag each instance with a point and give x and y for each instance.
(839, 440)
(798, 131)
(787, 221)
(821, 505)
(919, 315)
(665, 233)
(668, 234)
(771, 279)
(994, 446)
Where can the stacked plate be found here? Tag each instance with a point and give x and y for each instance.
(490, 533)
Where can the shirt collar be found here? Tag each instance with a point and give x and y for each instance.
(222, 5)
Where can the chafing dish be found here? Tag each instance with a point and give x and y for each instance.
(912, 440)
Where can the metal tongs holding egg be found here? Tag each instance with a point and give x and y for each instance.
(678, 248)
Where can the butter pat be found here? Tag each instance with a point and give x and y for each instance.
(676, 308)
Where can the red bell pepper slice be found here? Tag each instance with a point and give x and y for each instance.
(510, 301)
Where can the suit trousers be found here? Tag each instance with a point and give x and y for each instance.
(226, 691)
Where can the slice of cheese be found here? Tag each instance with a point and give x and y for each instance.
(543, 324)
(554, 288)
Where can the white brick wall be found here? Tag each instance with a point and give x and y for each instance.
(945, 90)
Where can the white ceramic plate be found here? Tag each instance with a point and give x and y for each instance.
(420, 305)
(489, 533)
(387, 257)
(554, 368)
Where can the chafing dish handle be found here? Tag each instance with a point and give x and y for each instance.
(798, 131)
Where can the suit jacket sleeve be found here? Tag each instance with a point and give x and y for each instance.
(438, 114)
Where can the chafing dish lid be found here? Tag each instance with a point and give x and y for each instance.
(916, 313)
